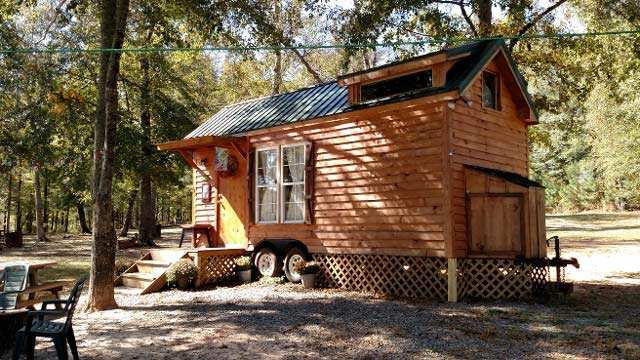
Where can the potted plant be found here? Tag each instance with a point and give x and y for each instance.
(243, 268)
(307, 272)
(182, 273)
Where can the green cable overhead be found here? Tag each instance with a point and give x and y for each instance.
(317, 46)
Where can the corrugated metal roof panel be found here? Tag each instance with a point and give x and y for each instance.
(330, 98)
(321, 100)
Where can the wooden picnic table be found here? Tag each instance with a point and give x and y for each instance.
(33, 293)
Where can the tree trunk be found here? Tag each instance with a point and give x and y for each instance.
(147, 209)
(19, 205)
(277, 74)
(39, 213)
(46, 204)
(277, 69)
(82, 218)
(308, 66)
(485, 17)
(54, 222)
(113, 21)
(133, 194)
(30, 222)
(9, 195)
(66, 220)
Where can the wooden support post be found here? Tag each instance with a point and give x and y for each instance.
(196, 260)
(452, 284)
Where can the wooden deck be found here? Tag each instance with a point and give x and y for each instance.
(147, 275)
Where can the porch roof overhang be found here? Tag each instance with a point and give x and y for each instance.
(193, 144)
(185, 146)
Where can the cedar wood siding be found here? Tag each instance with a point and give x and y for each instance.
(378, 181)
(232, 200)
(487, 138)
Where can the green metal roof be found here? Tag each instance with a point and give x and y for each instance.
(330, 98)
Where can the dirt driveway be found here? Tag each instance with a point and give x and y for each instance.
(600, 320)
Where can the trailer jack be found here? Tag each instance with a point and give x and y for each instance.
(560, 285)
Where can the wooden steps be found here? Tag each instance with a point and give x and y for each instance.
(147, 275)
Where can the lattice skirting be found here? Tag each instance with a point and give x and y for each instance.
(498, 279)
(426, 277)
(215, 268)
(405, 276)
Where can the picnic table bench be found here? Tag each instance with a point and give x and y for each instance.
(37, 292)
(34, 293)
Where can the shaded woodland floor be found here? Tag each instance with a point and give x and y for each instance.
(599, 320)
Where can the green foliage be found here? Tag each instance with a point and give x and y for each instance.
(122, 265)
(306, 267)
(613, 120)
(243, 263)
(182, 269)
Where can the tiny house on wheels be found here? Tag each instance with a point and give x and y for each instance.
(409, 178)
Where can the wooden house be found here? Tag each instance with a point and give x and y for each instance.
(408, 178)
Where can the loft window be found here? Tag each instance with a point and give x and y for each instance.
(281, 184)
(398, 85)
(490, 90)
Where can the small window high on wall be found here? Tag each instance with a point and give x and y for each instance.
(490, 91)
(280, 184)
(398, 85)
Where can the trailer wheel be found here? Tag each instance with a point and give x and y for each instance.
(294, 256)
(268, 262)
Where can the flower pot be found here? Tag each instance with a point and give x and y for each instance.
(183, 283)
(245, 276)
(308, 281)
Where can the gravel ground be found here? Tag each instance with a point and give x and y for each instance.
(286, 322)
(259, 320)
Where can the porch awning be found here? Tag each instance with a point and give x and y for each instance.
(186, 146)
(230, 142)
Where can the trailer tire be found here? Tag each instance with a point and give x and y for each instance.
(268, 262)
(294, 256)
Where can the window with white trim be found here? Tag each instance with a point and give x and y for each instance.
(281, 184)
(267, 186)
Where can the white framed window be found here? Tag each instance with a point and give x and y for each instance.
(281, 184)
(292, 203)
(267, 186)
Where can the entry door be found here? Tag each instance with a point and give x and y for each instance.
(495, 224)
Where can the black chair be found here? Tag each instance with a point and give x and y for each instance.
(59, 332)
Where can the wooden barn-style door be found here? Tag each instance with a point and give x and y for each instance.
(496, 223)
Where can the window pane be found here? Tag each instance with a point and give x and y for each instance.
(293, 173)
(293, 211)
(489, 91)
(293, 202)
(267, 213)
(267, 203)
(267, 166)
(293, 155)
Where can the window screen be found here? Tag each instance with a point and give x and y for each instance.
(402, 84)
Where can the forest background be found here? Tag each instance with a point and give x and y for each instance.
(586, 149)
